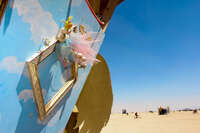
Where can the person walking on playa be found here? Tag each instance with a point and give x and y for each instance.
(136, 115)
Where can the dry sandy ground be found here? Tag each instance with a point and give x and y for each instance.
(175, 122)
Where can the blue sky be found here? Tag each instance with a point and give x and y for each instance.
(153, 50)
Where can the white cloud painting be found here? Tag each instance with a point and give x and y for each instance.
(27, 94)
(41, 22)
(11, 65)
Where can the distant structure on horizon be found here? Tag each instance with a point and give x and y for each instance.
(124, 111)
(163, 111)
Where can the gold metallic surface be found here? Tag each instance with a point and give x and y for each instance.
(3, 5)
(95, 101)
(37, 91)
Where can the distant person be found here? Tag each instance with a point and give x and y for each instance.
(195, 111)
(136, 115)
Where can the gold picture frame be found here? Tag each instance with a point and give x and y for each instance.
(32, 65)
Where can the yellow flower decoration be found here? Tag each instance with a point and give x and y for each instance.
(68, 23)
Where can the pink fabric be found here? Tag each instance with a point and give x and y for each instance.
(80, 44)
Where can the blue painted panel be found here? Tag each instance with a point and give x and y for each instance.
(25, 23)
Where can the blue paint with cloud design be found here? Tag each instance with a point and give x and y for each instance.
(21, 35)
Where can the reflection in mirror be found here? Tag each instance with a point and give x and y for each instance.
(53, 75)
(50, 75)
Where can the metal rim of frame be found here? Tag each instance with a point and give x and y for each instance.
(32, 65)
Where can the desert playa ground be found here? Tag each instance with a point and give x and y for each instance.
(175, 122)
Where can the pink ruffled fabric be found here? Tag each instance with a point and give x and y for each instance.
(80, 44)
